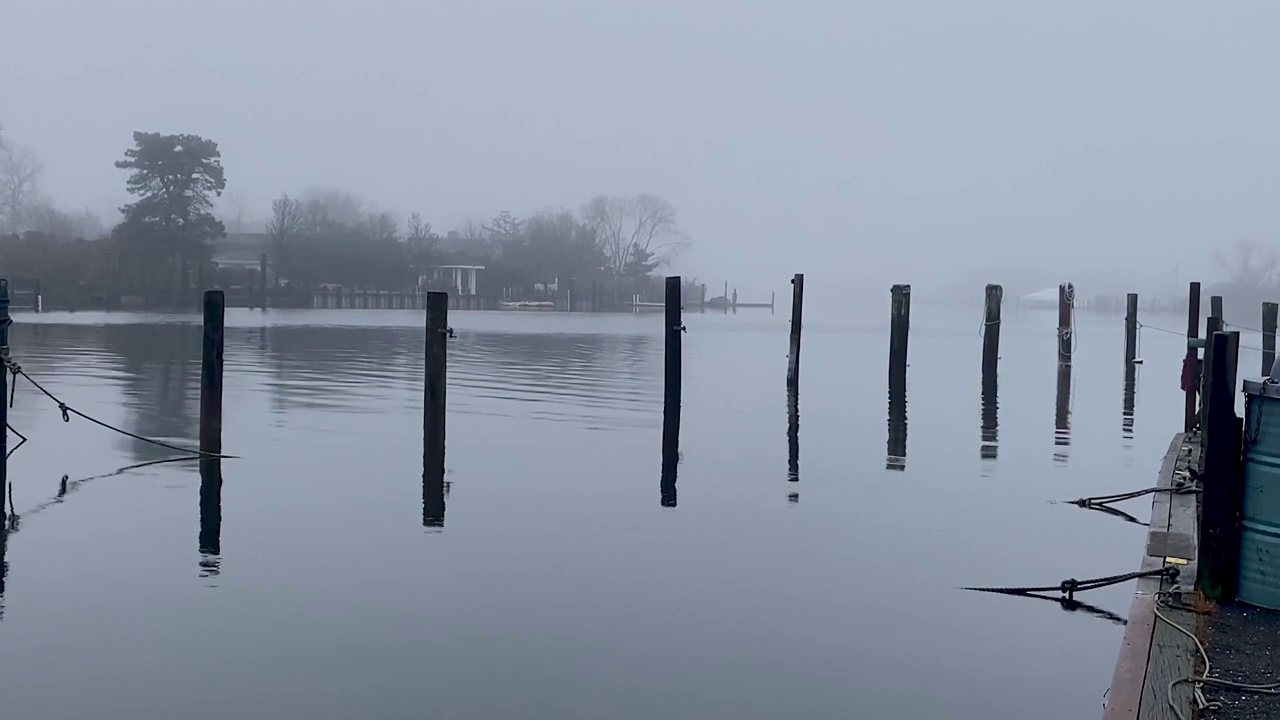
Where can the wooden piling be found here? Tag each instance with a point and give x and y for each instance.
(1130, 329)
(1190, 369)
(673, 330)
(1270, 312)
(433, 406)
(735, 301)
(211, 373)
(262, 278)
(899, 330)
(773, 296)
(1212, 325)
(1062, 414)
(5, 322)
(1066, 340)
(1215, 306)
(797, 315)
(210, 538)
(989, 447)
(37, 298)
(702, 304)
(726, 297)
(991, 331)
(1217, 567)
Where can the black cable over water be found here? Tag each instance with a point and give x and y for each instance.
(68, 411)
(1071, 586)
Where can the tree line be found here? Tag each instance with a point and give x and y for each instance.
(165, 245)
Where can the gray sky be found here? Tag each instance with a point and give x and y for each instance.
(882, 140)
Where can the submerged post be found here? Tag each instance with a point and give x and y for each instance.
(433, 406)
(1130, 329)
(211, 373)
(1066, 303)
(1270, 312)
(797, 314)
(1216, 577)
(1190, 369)
(672, 330)
(5, 322)
(991, 330)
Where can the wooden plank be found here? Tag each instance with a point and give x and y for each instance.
(1173, 656)
(1124, 699)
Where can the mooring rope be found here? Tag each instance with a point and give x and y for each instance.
(1071, 586)
(21, 439)
(1096, 500)
(1198, 681)
(1183, 333)
(68, 411)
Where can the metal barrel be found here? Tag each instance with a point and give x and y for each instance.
(1259, 573)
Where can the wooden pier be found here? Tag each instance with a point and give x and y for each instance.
(1153, 653)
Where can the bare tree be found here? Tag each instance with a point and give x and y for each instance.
(235, 211)
(472, 230)
(323, 209)
(418, 229)
(1249, 264)
(44, 218)
(504, 227)
(382, 226)
(282, 230)
(19, 186)
(635, 231)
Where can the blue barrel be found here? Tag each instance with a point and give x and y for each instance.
(1260, 519)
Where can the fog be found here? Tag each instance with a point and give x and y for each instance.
(855, 141)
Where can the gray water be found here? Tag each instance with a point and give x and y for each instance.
(556, 585)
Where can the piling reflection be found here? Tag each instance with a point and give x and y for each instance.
(896, 455)
(1062, 415)
(1130, 401)
(793, 435)
(210, 538)
(989, 448)
(434, 492)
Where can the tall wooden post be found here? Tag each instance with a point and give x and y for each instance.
(1217, 567)
(1215, 307)
(991, 330)
(672, 330)
(1212, 325)
(5, 322)
(262, 277)
(37, 298)
(1062, 414)
(797, 315)
(211, 373)
(735, 301)
(433, 406)
(1130, 329)
(726, 297)
(1066, 341)
(899, 330)
(773, 296)
(989, 448)
(1190, 368)
(1270, 311)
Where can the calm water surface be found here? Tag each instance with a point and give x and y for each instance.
(556, 585)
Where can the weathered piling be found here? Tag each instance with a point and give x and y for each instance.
(899, 332)
(797, 315)
(1190, 368)
(1219, 496)
(1212, 325)
(1215, 306)
(433, 406)
(5, 322)
(1130, 329)
(211, 373)
(702, 302)
(991, 331)
(726, 297)
(37, 297)
(1270, 314)
(1066, 304)
(735, 300)
(1130, 400)
(262, 279)
(210, 537)
(673, 330)
(793, 435)
(1233, 360)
